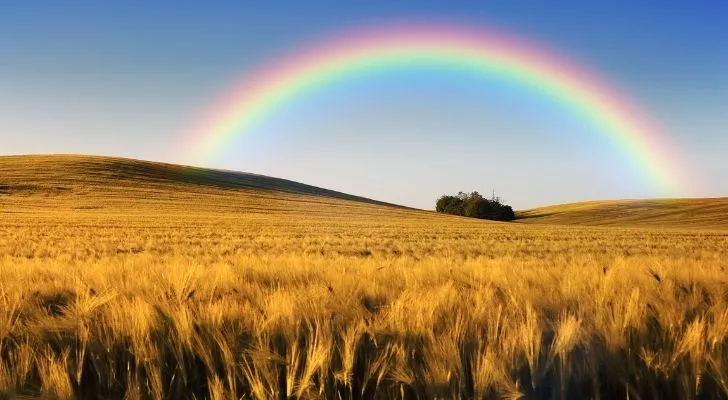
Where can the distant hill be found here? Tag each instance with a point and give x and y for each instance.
(94, 185)
(710, 213)
(23, 172)
(52, 183)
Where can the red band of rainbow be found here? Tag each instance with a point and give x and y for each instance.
(472, 51)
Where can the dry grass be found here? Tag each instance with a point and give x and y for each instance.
(661, 214)
(120, 282)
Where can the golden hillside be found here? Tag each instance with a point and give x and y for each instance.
(98, 185)
(46, 183)
(663, 213)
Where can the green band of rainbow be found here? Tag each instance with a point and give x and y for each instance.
(471, 51)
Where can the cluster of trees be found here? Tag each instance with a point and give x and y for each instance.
(476, 206)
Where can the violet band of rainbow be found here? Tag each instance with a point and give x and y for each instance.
(470, 51)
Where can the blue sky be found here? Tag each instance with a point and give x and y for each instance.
(128, 78)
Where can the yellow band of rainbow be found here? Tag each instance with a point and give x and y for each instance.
(470, 51)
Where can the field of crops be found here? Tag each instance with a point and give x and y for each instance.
(122, 279)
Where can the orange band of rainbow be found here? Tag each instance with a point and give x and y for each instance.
(464, 50)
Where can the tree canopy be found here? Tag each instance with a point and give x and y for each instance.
(474, 205)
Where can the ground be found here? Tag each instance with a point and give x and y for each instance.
(128, 279)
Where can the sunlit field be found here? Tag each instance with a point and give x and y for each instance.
(123, 279)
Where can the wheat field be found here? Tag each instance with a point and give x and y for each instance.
(122, 279)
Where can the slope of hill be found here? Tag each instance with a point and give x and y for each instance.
(708, 213)
(17, 171)
(93, 184)
(57, 182)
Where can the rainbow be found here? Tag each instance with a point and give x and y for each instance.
(464, 50)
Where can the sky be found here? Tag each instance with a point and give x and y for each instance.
(131, 79)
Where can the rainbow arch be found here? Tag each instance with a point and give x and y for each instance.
(473, 51)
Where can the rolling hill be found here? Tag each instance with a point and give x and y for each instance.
(661, 213)
(24, 173)
(52, 183)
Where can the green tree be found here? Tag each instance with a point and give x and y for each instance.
(474, 205)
